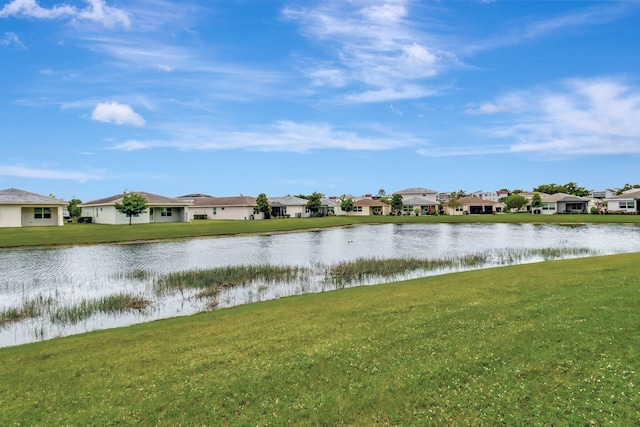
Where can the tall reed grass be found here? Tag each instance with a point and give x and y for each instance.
(31, 307)
(212, 281)
(368, 267)
(111, 304)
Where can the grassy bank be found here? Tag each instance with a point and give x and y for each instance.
(556, 343)
(74, 234)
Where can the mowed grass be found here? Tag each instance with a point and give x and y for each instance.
(74, 234)
(554, 343)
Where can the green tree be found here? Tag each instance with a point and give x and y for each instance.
(346, 204)
(453, 202)
(396, 204)
(263, 206)
(75, 211)
(536, 202)
(627, 187)
(132, 204)
(314, 202)
(514, 201)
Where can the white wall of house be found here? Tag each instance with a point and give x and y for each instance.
(224, 212)
(167, 214)
(294, 210)
(35, 216)
(10, 216)
(622, 206)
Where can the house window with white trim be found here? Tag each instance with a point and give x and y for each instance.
(627, 204)
(215, 211)
(165, 211)
(357, 208)
(546, 206)
(42, 213)
(459, 208)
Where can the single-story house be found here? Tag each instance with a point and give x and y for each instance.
(236, 207)
(368, 207)
(19, 208)
(563, 203)
(160, 209)
(628, 202)
(295, 207)
(470, 205)
(332, 206)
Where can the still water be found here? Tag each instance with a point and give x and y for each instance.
(72, 274)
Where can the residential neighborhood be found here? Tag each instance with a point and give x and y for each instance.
(20, 208)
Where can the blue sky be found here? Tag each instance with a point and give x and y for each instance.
(244, 97)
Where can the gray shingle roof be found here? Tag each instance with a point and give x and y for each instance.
(152, 199)
(13, 196)
(416, 190)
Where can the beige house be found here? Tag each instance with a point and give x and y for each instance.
(369, 207)
(20, 208)
(160, 209)
(470, 205)
(424, 200)
(241, 207)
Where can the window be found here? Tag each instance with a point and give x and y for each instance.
(627, 205)
(407, 208)
(357, 208)
(215, 211)
(42, 213)
(548, 206)
(165, 211)
(330, 209)
(307, 210)
(459, 208)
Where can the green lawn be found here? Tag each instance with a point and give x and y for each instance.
(73, 234)
(555, 343)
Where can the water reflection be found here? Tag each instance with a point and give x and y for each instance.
(69, 275)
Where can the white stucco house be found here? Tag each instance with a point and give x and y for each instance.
(19, 208)
(235, 207)
(160, 209)
(628, 202)
(563, 203)
(295, 207)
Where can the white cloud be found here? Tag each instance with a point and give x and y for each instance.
(11, 38)
(27, 172)
(96, 11)
(390, 94)
(580, 117)
(283, 136)
(372, 43)
(119, 114)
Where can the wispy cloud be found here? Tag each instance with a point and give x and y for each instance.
(374, 43)
(283, 136)
(39, 173)
(576, 117)
(521, 32)
(119, 114)
(11, 39)
(95, 11)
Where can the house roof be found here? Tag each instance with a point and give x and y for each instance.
(369, 202)
(331, 202)
(419, 201)
(287, 200)
(416, 190)
(193, 196)
(470, 200)
(626, 196)
(152, 200)
(14, 196)
(561, 197)
(224, 201)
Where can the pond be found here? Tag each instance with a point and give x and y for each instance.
(69, 276)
